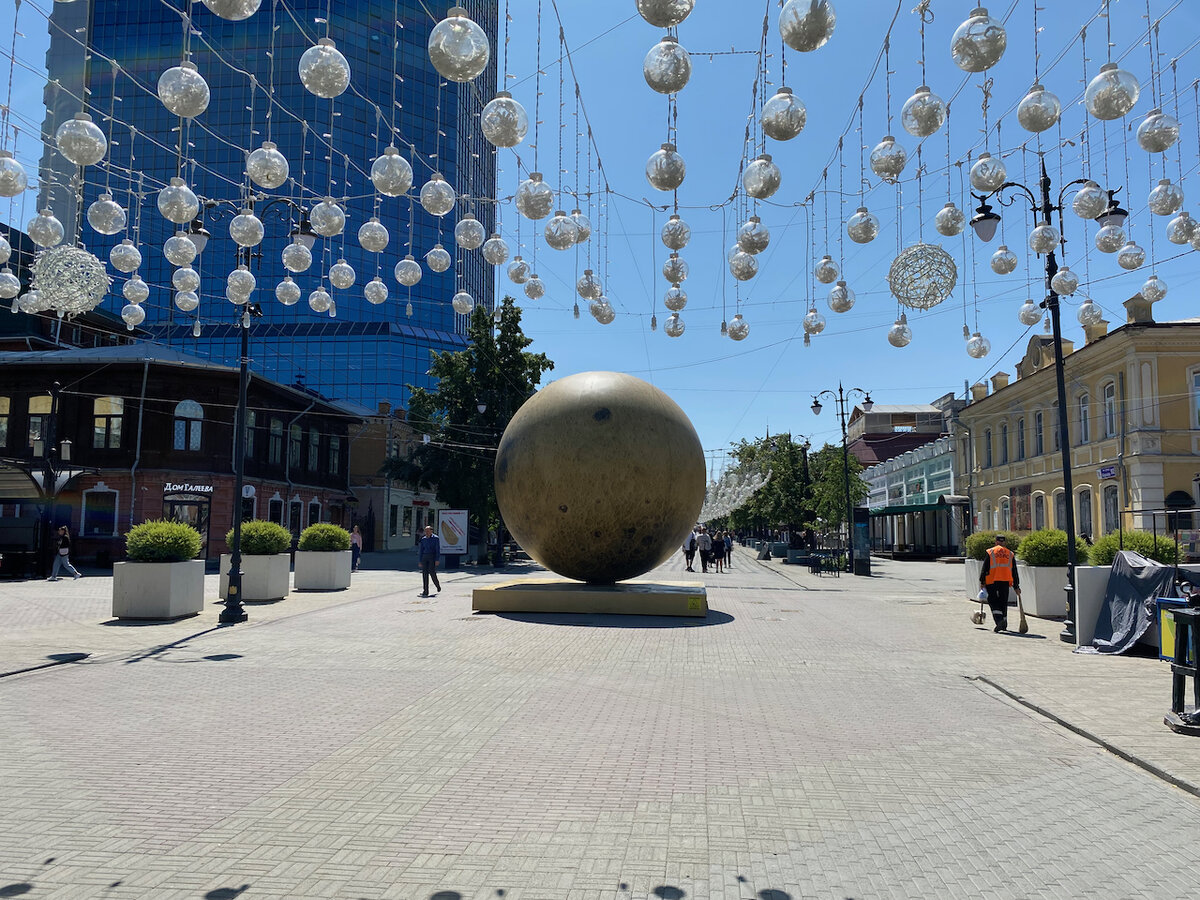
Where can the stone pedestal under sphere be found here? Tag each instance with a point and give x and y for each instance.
(600, 477)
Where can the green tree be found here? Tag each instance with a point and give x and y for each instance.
(829, 484)
(494, 371)
(785, 501)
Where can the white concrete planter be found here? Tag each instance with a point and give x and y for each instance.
(1043, 590)
(973, 568)
(150, 590)
(322, 571)
(1091, 584)
(263, 577)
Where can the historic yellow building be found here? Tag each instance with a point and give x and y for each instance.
(1133, 399)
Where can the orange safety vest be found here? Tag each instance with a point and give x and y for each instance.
(1001, 566)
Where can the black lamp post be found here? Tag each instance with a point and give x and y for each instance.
(984, 224)
(841, 397)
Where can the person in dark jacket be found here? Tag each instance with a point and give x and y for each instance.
(62, 555)
(429, 551)
(998, 574)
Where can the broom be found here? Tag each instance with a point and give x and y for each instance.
(1023, 627)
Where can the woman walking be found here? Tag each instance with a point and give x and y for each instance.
(356, 544)
(63, 557)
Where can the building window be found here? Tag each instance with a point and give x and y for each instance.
(1039, 511)
(1020, 438)
(5, 409)
(314, 512)
(1039, 440)
(295, 511)
(1085, 428)
(1085, 512)
(251, 422)
(1005, 515)
(295, 438)
(1112, 508)
(99, 515)
(39, 414)
(189, 422)
(275, 446)
(1060, 510)
(275, 510)
(107, 413)
(335, 455)
(1057, 427)
(314, 449)
(987, 449)
(1003, 443)
(1110, 409)
(1195, 403)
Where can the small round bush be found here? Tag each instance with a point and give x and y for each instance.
(324, 537)
(261, 538)
(1162, 550)
(980, 542)
(1048, 547)
(162, 541)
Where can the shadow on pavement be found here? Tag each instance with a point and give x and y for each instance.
(595, 620)
(163, 648)
(226, 893)
(16, 890)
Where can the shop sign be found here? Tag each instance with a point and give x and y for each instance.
(184, 488)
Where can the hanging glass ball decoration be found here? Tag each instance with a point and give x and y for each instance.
(437, 196)
(739, 328)
(1165, 199)
(583, 226)
(1089, 313)
(296, 257)
(45, 230)
(667, 67)
(267, 167)
(373, 235)
(988, 173)
(1039, 110)
(900, 335)
(327, 218)
(675, 298)
(5, 249)
(342, 275)
(588, 286)
(950, 220)
(495, 250)
(1110, 238)
(783, 116)
(126, 257)
(1090, 201)
(135, 290)
(761, 178)
(105, 215)
(1112, 93)
(1065, 282)
(1181, 228)
(841, 298)
(807, 25)
(1044, 239)
(187, 301)
(391, 173)
(826, 271)
(1154, 289)
(469, 233)
(742, 266)
(246, 229)
(177, 203)
(233, 10)
(753, 236)
(602, 311)
(1195, 241)
(888, 159)
(178, 249)
(239, 284)
(665, 169)
(675, 270)
(673, 326)
(1004, 261)
(665, 13)
(1158, 132)
(814, 322)
(81, 141)
(458, 47)
(1029, 313)
(463, 303)
(375, 291)
(675, 233)
(560, 232)
(323, 71)
(438, 259)
(534, 197)
(10, 285)
(535, 288)
(518, 270)
(183, 90)
(1131, 256)
(13, 179)
(978, 346)
(185, 279)
(863, 226)
(408, 271)
(133, 315)
(923, 113)
(978, 43)
(319, 300)
(504, 121)
(32, 302)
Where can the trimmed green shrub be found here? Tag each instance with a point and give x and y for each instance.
(162, 541)
(324, 538)
(261, 538)
(1048, 547)
(1162, 550)
(979, 542)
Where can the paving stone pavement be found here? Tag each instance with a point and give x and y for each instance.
(813, 737)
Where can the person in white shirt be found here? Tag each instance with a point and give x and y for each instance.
(704, 544)
(689, 550)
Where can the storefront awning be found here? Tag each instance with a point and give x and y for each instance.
(943, 502)
(15, 485)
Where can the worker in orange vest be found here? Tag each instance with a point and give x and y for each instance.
(999, 572)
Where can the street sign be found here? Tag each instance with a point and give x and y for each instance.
(1106, 472)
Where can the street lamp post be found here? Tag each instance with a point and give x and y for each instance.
(841, 397)
(984, 224)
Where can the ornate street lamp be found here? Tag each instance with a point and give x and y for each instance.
(841, 397)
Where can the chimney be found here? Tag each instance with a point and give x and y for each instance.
(979, 390)
(1097, 331)
(999, 380)
(1138, 311)
(385, 408)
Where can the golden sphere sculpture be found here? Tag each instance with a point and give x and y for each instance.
(600, 477)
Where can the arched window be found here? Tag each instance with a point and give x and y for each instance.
(1112, 508)
(1004, 444)
(39, 413)
(1110, 409)
(1057, 426)
(1020, 438)
(1085, 427)
(1039, 439)
(189, 423)
(1060, 510)
(107, 413)
(987, 449)
(1039, 511)
(1084, 525)
(1005, 514)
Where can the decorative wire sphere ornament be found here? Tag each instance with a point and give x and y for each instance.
(814, 322)
(376, 291)
(458, 47)
(988, 173)
(675, 233)
(739, 328)
(560, 232)
(742, 266)
(1110, 238)
(761, 178)
(863, 226)
(185, 279)
(950, 220)
(675, 298)
(438, 259)
(888, 159)
(1181, 229)
(240, 284)
(922, 276)
(665, 13)
(135, 290)
(495, 250)
(1089, 313)
(296, 257)
(324, 71)
(342, 275)
(178, 203)
(583, 226)
(5, 249)
(126, 257)
(753, 236)
(673, 326)
(1044, 239)
(783, 116)
(1158, 132)
(1154, 289)
(534, 197)
(588, 286)
(841, 298)
(667, 67)
(469, 233)
(105, 215)
(1039, 110)
(1029, 313)
(535, 288)
(1112, 93)
(373, 235)
(187, 301)
(133, 315)
(1065, 283)
(267, 167)
(827, 271)
(1165, 199)
(900, 335)
(1131, 256)
(675, 269)
(978, 346)
(408, 271)
(463, 303)
(13, 179)
(1090, 201)
(1004, 261)
(10, 285)
(327, 218)
(518, 270)
(81, 141)
(979, 42)
(602, 311)
(665, 169)
(503, 121)
(233, 10)
(183, 90)
(319, 301)
(923, 113)
(391, 173)
(807, 25)
(437, 196)
(246, 229)
(178, 249)
(45, 230)
(69, 280)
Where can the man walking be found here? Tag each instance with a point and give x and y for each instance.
(999, 572)
(689, 550)
(704, 544)
(429, 551)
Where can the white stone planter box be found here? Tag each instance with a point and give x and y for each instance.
(263, 577)
(1043, 590)
(973, 567)
(1091, 584)
(148, 590)
(322, 571)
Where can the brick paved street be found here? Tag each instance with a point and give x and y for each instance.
(814, 737)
